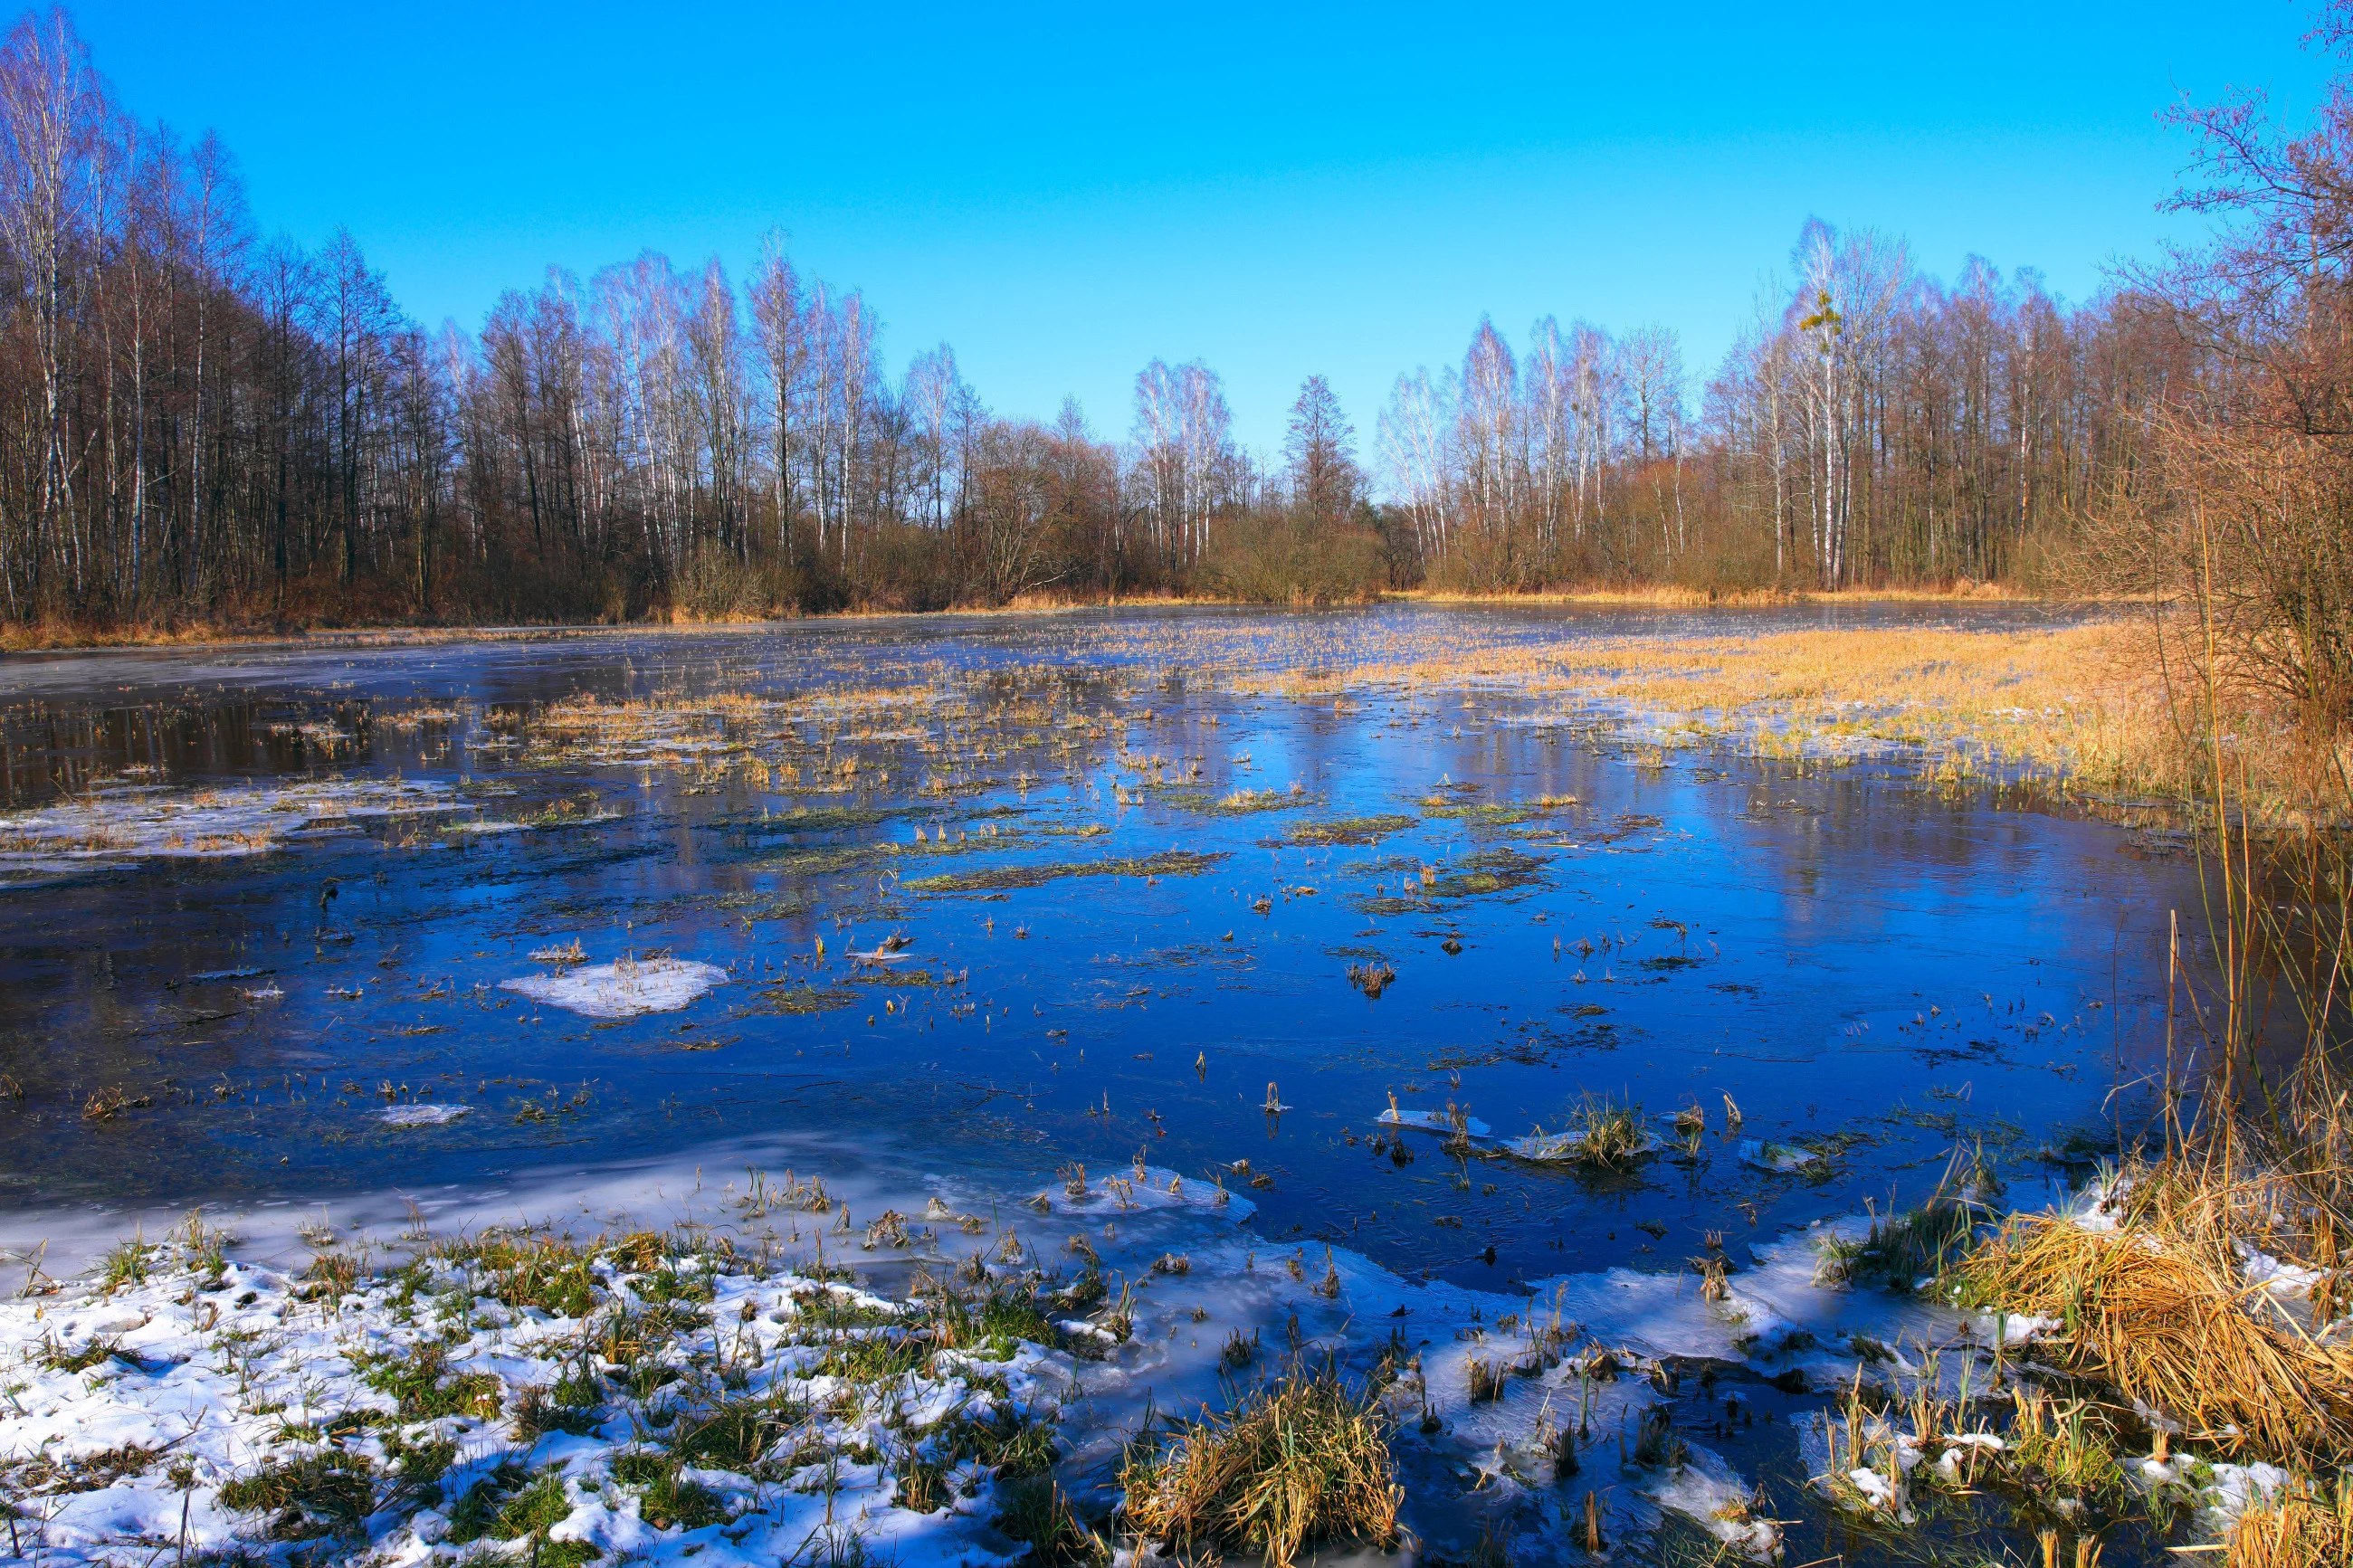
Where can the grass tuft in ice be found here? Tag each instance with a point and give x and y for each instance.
(1000, 879)
(1355, 830)
(1600, 1134)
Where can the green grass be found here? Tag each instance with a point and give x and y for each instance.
(550, 1275)
(876, 1356)
(805, 998)
(575, 1406)
(994, 1325)
(1488, 871)
(421, 1465)
(1499, 815)
(93, 1352)
(502, 1507)
(425, 1388)
(1236, 802)
(832, 1309)
(665, 1284)
(316, 1494)
(737, 1434)
(126, 1265)
(666, 1500)
(1035, 1509)
(1917, 1246)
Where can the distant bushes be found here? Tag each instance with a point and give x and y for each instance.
(1284, 559)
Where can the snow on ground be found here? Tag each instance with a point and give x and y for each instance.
(186, 1390)
(622, 989)
(223, 1406)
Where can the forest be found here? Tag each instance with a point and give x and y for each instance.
(201, 426)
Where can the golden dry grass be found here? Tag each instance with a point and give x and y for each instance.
(1679, 595)
(1301, 1460)
(2090, 705)
(2158, 1308)
(2307, 1526)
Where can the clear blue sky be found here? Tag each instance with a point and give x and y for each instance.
(1064, 194)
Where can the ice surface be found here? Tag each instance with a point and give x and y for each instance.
(1433, 1121)
(124, 825)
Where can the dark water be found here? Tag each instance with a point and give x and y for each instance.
(1858, 960)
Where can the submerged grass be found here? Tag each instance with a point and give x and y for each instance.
(1355, 830)
(1004, 879)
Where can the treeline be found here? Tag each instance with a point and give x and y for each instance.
(1871, 427)
(199, 424)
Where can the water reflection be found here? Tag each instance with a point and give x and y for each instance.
(1874, 967)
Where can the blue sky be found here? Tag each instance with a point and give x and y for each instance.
(1065, 193)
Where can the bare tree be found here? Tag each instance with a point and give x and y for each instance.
(1320, 455)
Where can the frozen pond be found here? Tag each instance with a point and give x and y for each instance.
(626, 917)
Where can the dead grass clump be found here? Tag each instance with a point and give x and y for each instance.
(107, 1103)
(333, 1275)
(2160, 1312)
(1299, 1459)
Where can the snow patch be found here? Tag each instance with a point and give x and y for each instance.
(1768, 1156)
(1433, 1121)
(424, 1115)
(122, 826)
(622, 989)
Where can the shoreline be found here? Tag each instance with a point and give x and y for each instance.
(17, 641)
